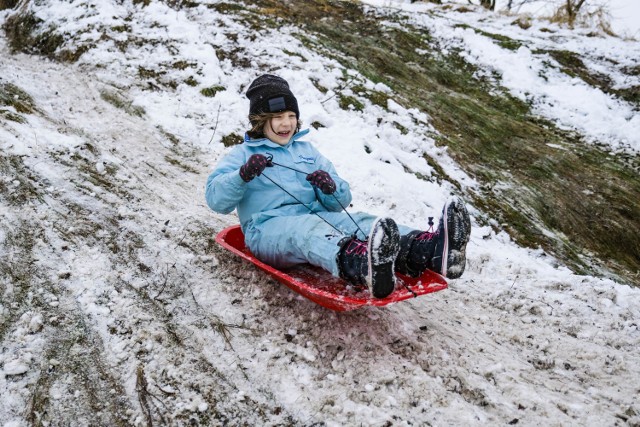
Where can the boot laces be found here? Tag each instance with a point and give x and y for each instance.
(429, 234)
(357, 247)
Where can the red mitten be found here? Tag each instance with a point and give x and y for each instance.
(254, 167)
(323, 181)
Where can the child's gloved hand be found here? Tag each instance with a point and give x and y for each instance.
(254, 167)
(323, 181)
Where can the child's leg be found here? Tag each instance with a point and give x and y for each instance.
(364, 220)
(442, 250)
(290, 240)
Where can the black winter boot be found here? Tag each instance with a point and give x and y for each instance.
(371, 262)
(442, 250)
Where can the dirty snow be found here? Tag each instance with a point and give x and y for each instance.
(117, 308)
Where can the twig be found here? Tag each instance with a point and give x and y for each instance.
(514, 282)
(164, 285)
(180, 241)
(339, 89)
(215, 127)
(141, 388)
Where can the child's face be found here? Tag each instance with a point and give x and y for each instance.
(280, 128)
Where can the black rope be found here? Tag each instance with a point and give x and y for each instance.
(271, 162)
(345, 211)
(409, 289)
(303, 204)
(288, 167)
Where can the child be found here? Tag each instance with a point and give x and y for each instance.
(293, 212)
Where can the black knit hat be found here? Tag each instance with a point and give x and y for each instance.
(271, 94)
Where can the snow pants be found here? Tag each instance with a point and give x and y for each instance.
(285, 241)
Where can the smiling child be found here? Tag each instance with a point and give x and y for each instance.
(294, 213)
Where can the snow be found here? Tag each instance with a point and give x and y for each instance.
(525, 73)
(624, 15)
(123, 278)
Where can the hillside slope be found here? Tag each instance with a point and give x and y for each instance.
(117, 307)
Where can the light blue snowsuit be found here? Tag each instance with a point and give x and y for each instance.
(278, 229)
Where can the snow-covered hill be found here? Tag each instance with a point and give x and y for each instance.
(118, 308)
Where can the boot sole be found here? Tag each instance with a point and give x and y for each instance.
(383, 248)
(457, 228)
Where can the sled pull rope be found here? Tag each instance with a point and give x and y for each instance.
(299, 201)
(345, 211)
(270, 162)
(409, 289)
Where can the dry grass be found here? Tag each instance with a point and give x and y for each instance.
(119, 101)
(8, 4)
(18, 100)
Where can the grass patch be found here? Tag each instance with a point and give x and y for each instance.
(18, 268)
(146, 73)
(238, 57)
(502, 41)
(8, 4)
(375, 97)
(95, 177)
(11, 116)
(26, 34)
(80, 368)
(175, 162)
(573, 66)
(225, 8)
(119, 101)
(211, 91)
(231, 140)
(349, 102)
(171, 137)
(288, 52)
(22, 186)
(191, 81)
(12, 96)
(318, 86)
(183, 65)
(439, 173)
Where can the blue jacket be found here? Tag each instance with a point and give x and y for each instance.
(261, 199)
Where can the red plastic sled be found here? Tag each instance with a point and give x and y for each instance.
(327, 290)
